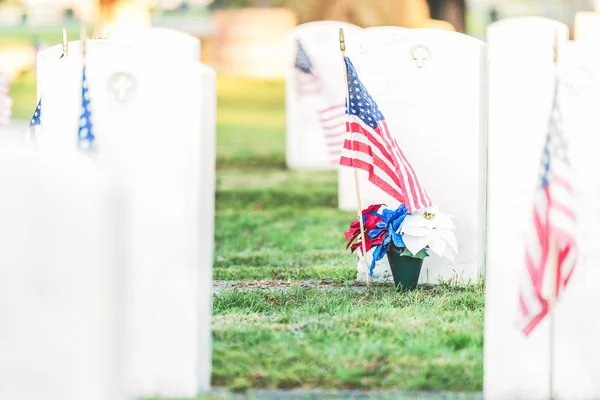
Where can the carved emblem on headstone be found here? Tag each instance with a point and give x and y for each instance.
(123, 86)
(418, 55)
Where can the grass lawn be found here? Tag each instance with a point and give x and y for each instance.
(272, 223)
(278, 224)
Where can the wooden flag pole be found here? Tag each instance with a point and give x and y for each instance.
(83, 40)
(357, 186)
(65, 43)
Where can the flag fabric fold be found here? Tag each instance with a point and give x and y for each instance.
(376, 151)
(550, 252)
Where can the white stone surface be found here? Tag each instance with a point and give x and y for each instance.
(516, 366)
(162, 42)
(523, 33)
(438, 114)
(61, 274)
(53, 53)
(305, 143)
(587, 26)
(151, 141)
(176, 45)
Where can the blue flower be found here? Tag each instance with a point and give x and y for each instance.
(391, 221)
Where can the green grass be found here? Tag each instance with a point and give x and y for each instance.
(278, 224)
(23, 92)
(425, 340)
(272, 223)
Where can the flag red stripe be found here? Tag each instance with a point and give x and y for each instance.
(331, 108)
(335, 134)
(536, 319)
(415, 185)
(373, 178)
(378, 162)
(336, 126)
(563, 209)
(337, 116)
(357, 128)
(392, 146)
(561, 182)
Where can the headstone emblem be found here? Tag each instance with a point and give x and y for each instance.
(123, 86)
(418, 55)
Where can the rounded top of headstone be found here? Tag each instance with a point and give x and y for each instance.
(159, 40)
(527, 28)
(152, 33)
(418, 39)
(324, 26)
(54, 52)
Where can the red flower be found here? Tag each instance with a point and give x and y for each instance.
(370, 221)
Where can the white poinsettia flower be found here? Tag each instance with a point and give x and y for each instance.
(429, 228)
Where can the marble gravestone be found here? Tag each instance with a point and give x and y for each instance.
(306, 146)
(152, 145)
(431, 86)
(517, 366)
(176, 45)
(54, 53)
(61, 274)
(163, 42)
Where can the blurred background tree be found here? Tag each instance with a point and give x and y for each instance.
(444, 14)
(406, 13)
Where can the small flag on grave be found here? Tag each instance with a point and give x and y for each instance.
(331, 117)
(85, 133)
(307, 80)
(373, 149)
(5, 100)
(550, 254)
(333, 122)
(35, 124)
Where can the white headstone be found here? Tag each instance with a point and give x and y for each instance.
(431, 86)
(61, 272)
(162, 42)
(54, 53)
(306, 145)
(148, 118)
(175, 45)
(517, 366)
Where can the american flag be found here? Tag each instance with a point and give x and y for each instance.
(35, 124)
(5, 100)
(376, 151)
(331, 116)
(307, 80)
(333, 122)
(85, 134)
(550, 253)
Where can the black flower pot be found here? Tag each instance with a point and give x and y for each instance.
(405, 270)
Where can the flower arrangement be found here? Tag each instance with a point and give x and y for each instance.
(415, 234)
